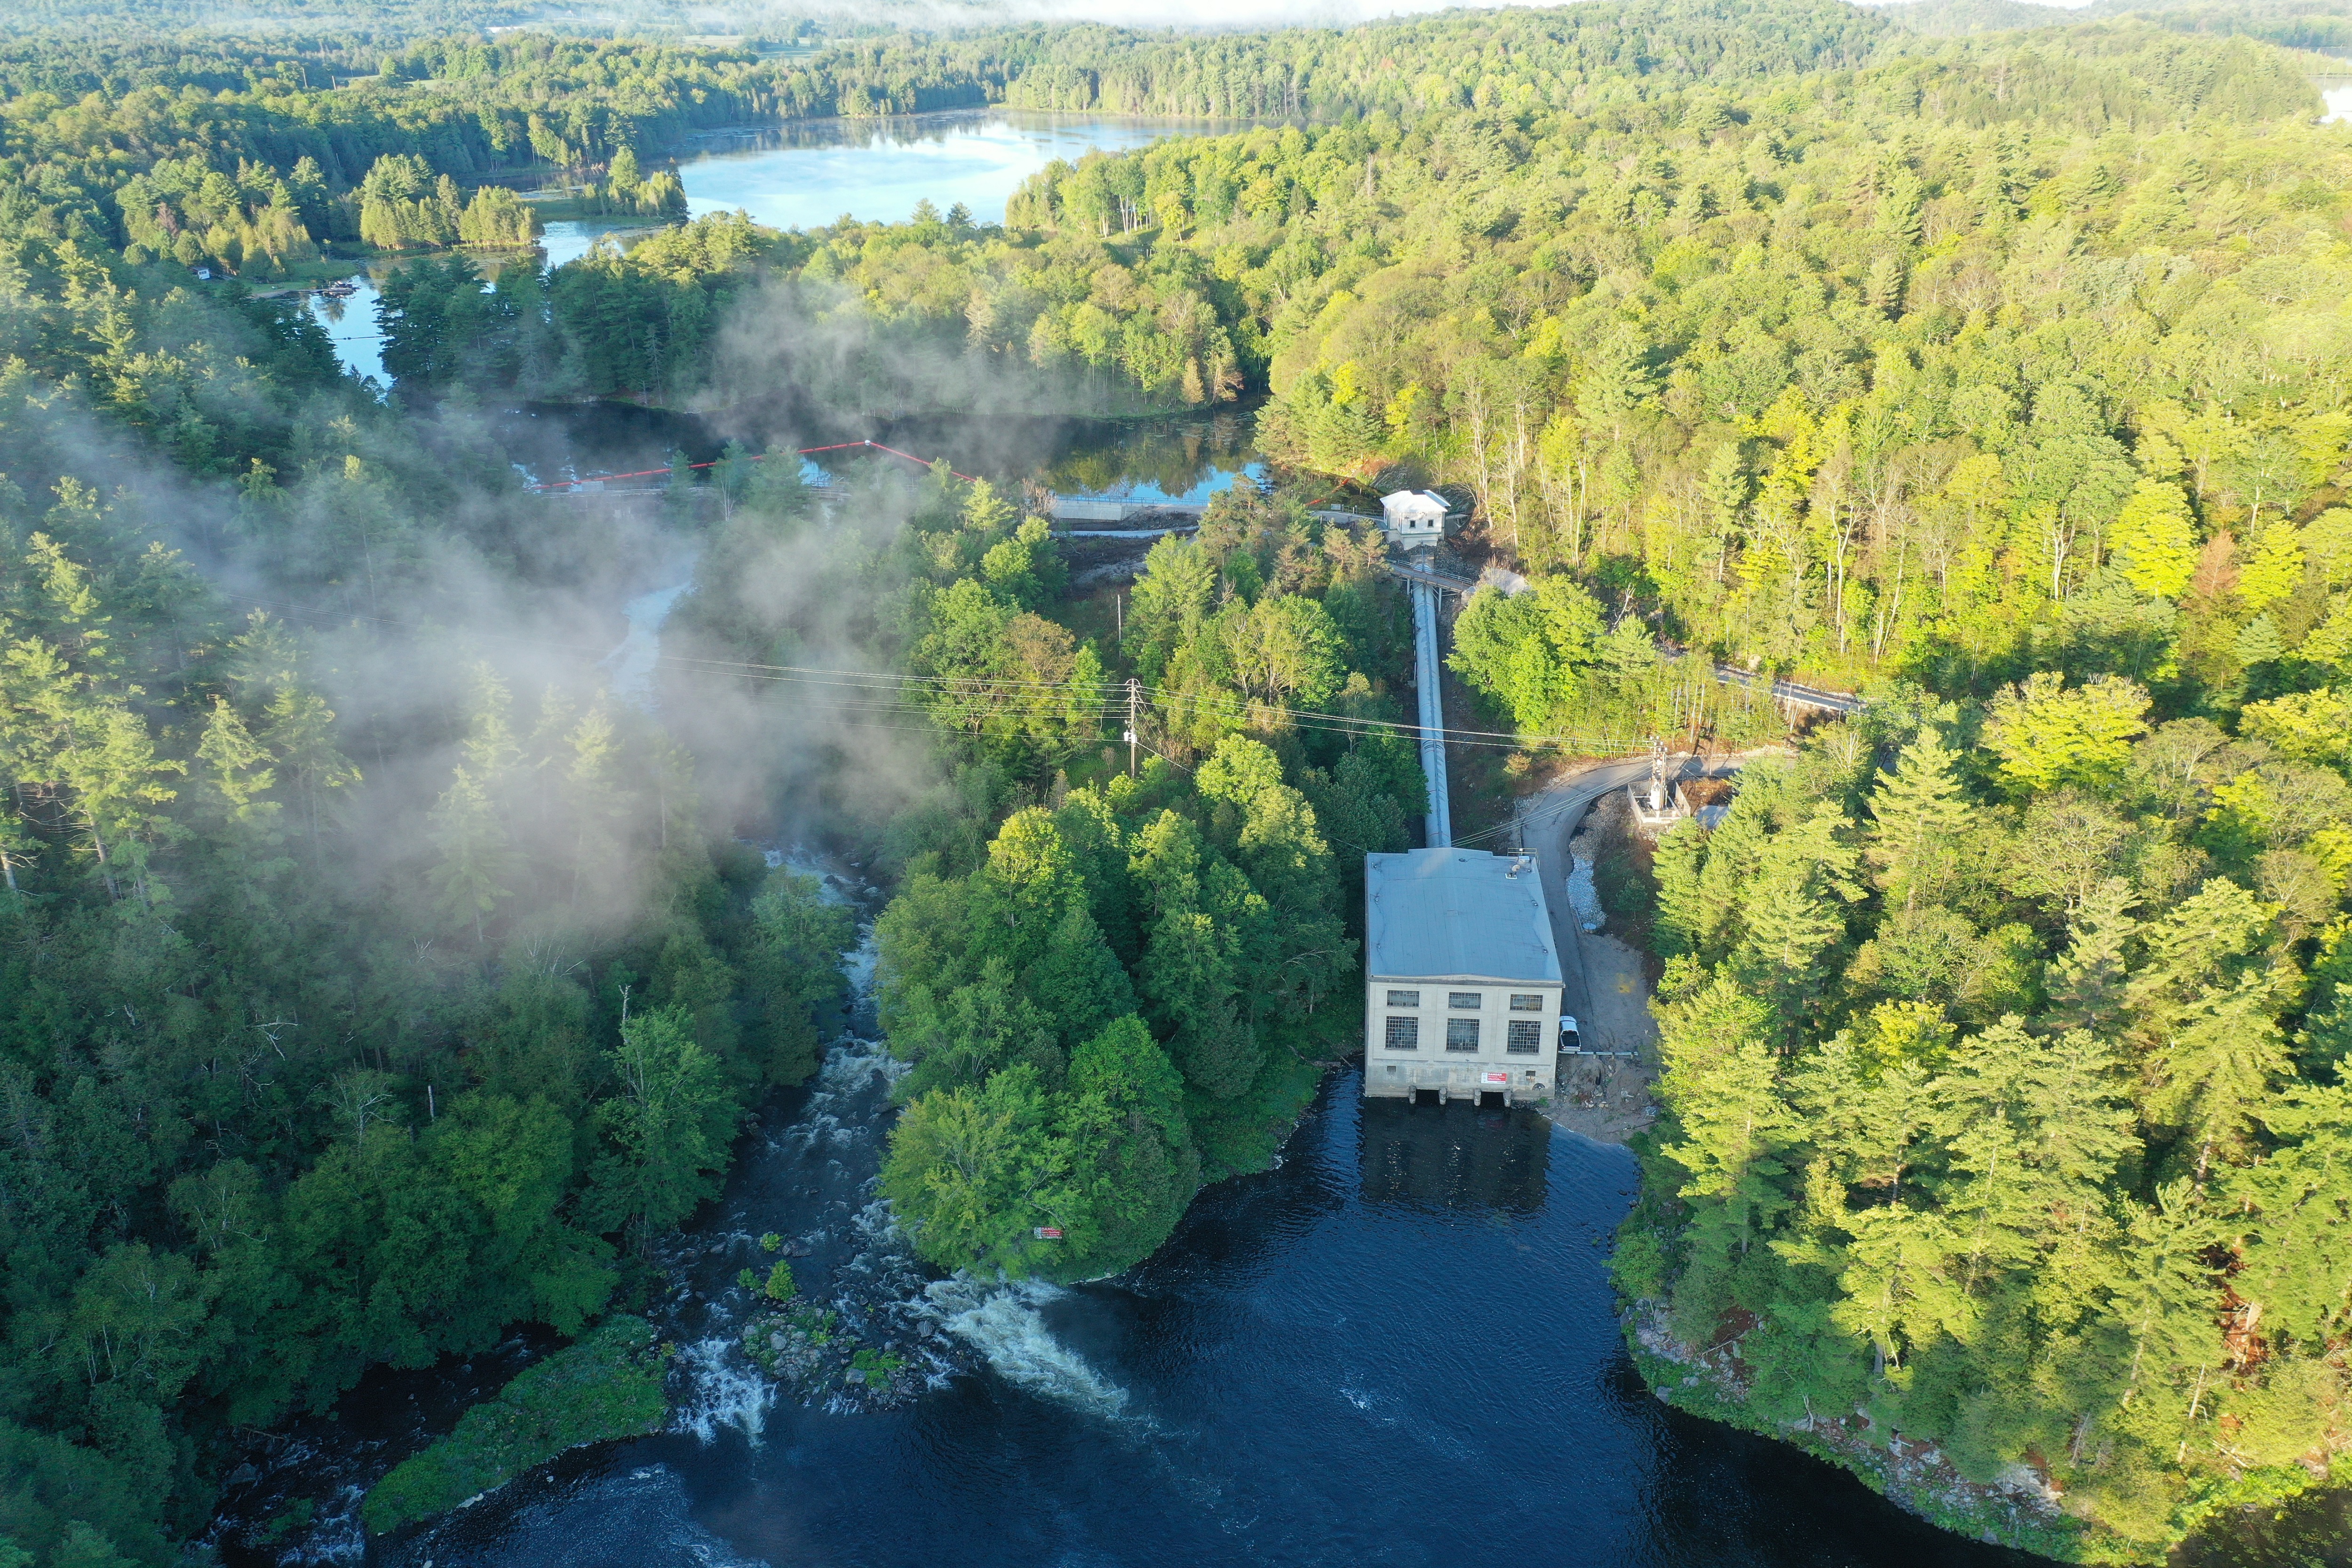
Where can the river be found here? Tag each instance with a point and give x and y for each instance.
(1400, 1346)
(1397, 1347)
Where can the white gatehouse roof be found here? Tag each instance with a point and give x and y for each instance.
(1419, 505)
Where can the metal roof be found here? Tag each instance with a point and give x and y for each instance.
(1456, 914)
(1414, 503)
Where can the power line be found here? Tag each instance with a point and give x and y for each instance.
(1016, 697)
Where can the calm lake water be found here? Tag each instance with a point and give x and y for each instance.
(811, 173)
(1180, 457)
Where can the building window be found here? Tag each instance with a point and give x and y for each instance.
(1461, 1034)
(1463, 999)
(1404, 1035)
(1526, 1002)
(1404, 998)
(1525, 1039)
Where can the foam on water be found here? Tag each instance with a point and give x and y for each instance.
(337, 1536)
(1005, 1325)
(1582, 896)
(632, 663)
(725, 1391)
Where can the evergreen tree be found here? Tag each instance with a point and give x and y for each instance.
(1920, 819)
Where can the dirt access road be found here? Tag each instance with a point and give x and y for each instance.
(1603, 1097)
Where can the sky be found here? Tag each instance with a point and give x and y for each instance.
(1249, 14)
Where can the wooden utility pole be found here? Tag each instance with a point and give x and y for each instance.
(1134, 719)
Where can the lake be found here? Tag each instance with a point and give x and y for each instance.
(810, 172)
(1397, 1347)
(807, 173)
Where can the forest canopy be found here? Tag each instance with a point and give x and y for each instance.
(2000, 378)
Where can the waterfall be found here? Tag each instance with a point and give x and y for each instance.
(1006, 1325)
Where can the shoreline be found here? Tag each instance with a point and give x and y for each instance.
(2019, 1511)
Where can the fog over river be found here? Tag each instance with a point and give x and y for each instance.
(1399, 1347)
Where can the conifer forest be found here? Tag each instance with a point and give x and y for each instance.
(1986, 364)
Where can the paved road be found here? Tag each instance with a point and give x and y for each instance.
(1549, 819)
(1126, 533)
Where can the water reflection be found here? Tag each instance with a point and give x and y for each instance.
(352, 326)
(1454, 1157)
(568, 240)
(2312, 1531)
(806, 174)
(1189, 458)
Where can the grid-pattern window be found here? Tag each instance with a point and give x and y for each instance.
(1461, 1034)
(1404, 1035)
(1526, 1038)
(1404, 998)
(1463, 998)
(1526, 1002)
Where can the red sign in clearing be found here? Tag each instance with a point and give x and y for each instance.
(1048, 1233)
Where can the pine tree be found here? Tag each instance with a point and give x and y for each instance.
(2087, 984)
(1791, 911)
(110, 767)
(592, 791)
(237, 772)
(1133, 1167)
(2164, 1297)
(1920, 819)
(1682, 911)
(477, 865)
(301, 734)
(668, 1128)
(2290, 1209)
(2220, 1055)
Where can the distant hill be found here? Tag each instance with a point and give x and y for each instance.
(2293, 24)
(1954, 18)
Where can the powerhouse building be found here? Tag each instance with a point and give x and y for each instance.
(1462, 977)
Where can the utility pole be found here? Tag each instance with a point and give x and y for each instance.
(1134, 719)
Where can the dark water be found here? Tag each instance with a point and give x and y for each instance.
(1184, 457)
(1399, 1347)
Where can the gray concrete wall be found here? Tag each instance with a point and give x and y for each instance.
(1460, 1075)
